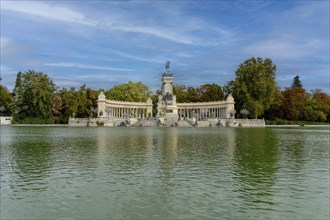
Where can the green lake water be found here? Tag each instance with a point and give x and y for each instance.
(164, 173)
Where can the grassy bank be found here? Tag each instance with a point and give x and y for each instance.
(286, 122)
(30, 120)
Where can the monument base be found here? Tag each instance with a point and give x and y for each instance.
(171, 118)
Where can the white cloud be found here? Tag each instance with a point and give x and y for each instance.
(82, 66)
(250, 6)
(283, 49)
(309, 12)
(41, 9)
(139, 58)
(184, 31)
(4, 42)
(297, 33)
(5, 70)
(11, 51)
(109, 76)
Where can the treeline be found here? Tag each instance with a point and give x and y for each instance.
(255, 91)
(36, 99)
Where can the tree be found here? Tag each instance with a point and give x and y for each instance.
(322, 102)
(296, 82)
(180, 91)
(33, 95)
(275, 110)
(254, 87)
(69, 102)
(87, 100)
(130, 92)
(80, 103)
(293, 103)
(5, 101)
(92, 97)
(193, 95)
(57, 105)
(299, 105)
(244, 112)
(211, 92)
(17, 103)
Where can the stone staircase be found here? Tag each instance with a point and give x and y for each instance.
(203, 124)
(151, 122)
(185, 124)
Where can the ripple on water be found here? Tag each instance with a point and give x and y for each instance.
(165, 173)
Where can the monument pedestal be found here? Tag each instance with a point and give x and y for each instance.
(172, 118)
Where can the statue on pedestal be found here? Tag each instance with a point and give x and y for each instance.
(167, 65)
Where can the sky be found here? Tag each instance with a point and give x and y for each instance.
(106, 43)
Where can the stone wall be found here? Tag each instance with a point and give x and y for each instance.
(5, 120)
(94, 122)
(245, 123)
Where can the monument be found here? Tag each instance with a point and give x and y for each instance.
(166, 106)
(169, 112)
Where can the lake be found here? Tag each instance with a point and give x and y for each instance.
(164, 173)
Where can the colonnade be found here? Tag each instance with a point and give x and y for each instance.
(112, 109)
(125, 112)
(202, 112)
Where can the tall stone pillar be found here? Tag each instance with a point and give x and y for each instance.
(149, 108)
(101, 102)
(230, 106)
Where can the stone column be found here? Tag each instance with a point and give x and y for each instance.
(101, 103)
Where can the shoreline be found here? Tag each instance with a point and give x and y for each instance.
(294, 126)
(67, 125)
(39, 125)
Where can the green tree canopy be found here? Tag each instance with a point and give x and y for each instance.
(77, 103)
(254, 87)
(203, 93)
(69, 101)
(33, 95)
(211, 92)
(322, 101)
(180, 91)
(130, 92)
(5, 101)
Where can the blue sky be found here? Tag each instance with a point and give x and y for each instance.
(104, 43)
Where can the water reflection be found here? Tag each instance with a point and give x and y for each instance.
(293, 148)
(117, 149)
(155, 173)
(167, 148)
(32, 161)
(256, 166)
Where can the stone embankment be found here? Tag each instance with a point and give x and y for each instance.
(245, 123)
(39, 125)
(154, 122)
